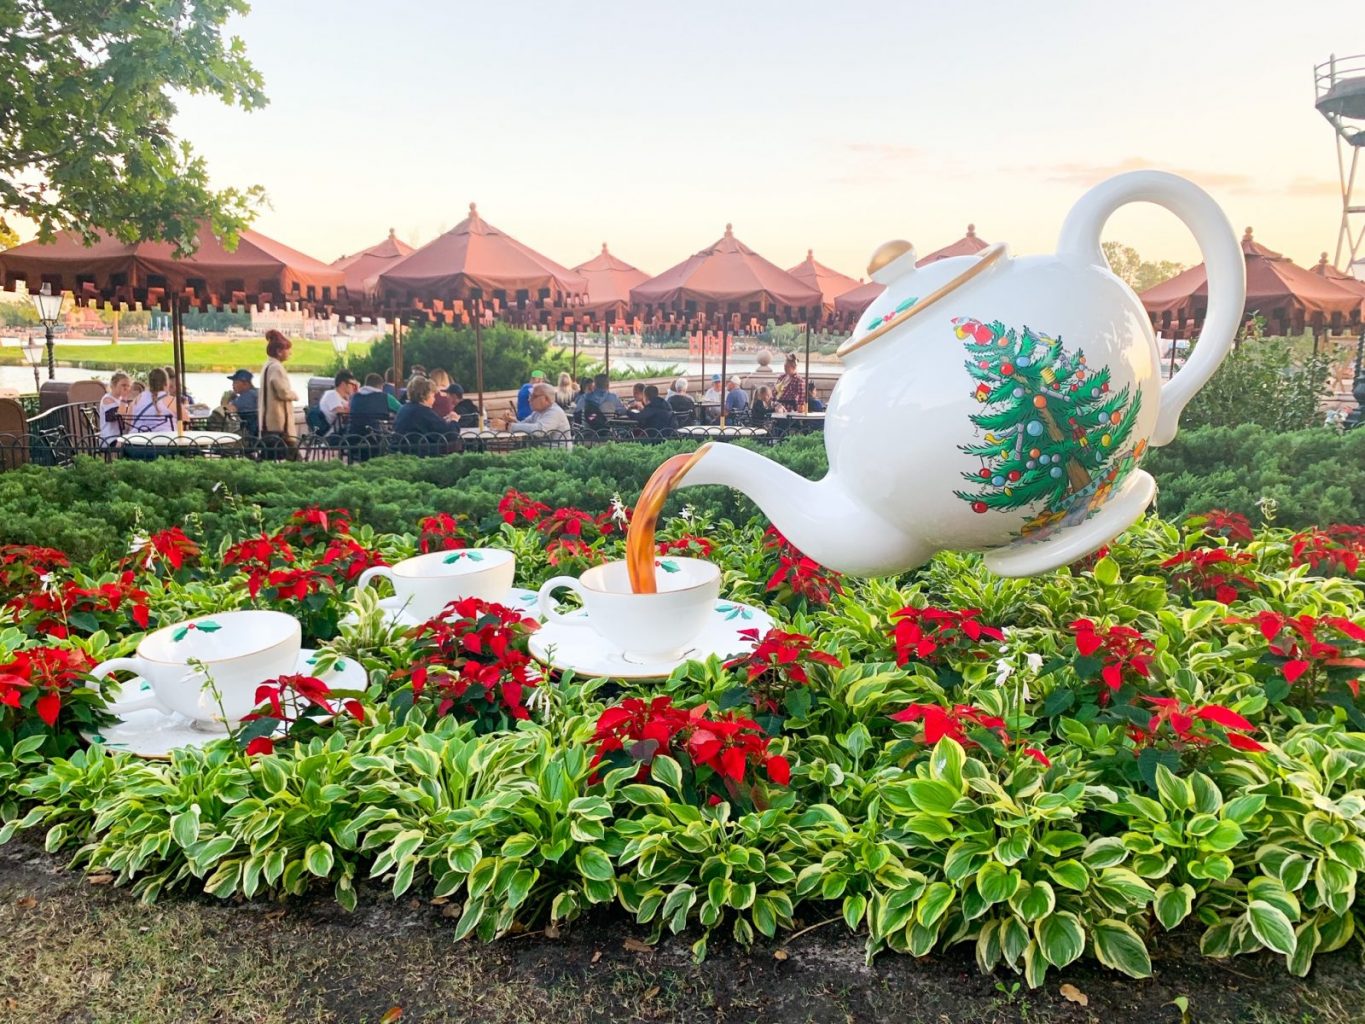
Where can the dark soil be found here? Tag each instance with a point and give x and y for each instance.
(82, 952)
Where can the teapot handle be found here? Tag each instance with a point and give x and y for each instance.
(1223, 260)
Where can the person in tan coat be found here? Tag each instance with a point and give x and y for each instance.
(278, 429)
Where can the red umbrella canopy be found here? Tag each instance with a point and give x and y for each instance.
(609, 283)
(1276, 287)
(1353, 285)
(967, 245)
(476, 260)
(851, 304)
(829, 283)
(732, 276)
(363, 267)
(260, 271)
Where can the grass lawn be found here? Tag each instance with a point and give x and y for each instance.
(82, 953)
(200, 356)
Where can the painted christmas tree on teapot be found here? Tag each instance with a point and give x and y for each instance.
(995, 403)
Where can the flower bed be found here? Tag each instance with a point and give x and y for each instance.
(1169, 735)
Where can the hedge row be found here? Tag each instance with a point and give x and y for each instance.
(1314, 477)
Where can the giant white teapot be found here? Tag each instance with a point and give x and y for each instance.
(997, 403)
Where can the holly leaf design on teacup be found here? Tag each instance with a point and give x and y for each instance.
(455, 556)
(207, 626)
(668, 565)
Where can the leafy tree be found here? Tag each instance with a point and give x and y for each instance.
(8, 237)
(87, 91)
(1262, 383)
(1138, 273)
(509, 355)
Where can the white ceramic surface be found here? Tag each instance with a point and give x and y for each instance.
(658, 626)
(524, 601)
(903, 432)
(152, 733)
(233, 650)
(427, 583)
(562, 646)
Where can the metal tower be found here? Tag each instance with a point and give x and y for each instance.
(1340, 87)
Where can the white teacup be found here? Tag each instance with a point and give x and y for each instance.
(427, 583)
(208, 668)
(645, 627)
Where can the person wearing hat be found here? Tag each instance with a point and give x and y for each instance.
(712, 399)
(246, 400)
(337, 402)
(463, 409)
(524, 395)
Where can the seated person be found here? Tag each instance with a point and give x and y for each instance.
(465, 411)
(656, 416)
(546, 415)
(736, 401)
(596, 405)
(245, 401)
(761, 409)
(711, 401)
(114, 407)
(637, 398)
(224, 417)
(684, 409)
(370, 406)
(418, 424)
(444, 405)
(813, 403)
(337, 402)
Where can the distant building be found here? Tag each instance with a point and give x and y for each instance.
(292, 322)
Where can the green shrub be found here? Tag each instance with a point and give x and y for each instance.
(1262, 384)
(509, 355)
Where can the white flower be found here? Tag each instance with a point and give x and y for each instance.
(139, 541)
(687, 513)
(618, 510)
(47, 580)
(1024, 695)
(1034, 660)
(1003, 670)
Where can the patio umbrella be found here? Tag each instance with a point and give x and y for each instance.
(474, 269)
(725, 279)
(830, 284)
(1352, 284)
(362, 270)
(850, 305)
(967, 245)
(609, 283)
(1277, 288)
(259, 272)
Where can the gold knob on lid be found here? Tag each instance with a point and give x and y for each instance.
(886, 253)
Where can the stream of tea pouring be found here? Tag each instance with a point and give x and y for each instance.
(640, 534)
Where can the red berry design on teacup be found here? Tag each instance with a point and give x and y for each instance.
(204, 627)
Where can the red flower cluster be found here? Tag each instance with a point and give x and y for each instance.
(954, 722)
(170, 547)
(44, 672)
(1298, 639)
(441, 532)
(291, 698)
(1231, 526)
(516, 506)
(688, 545)
(256, 557)
(22, 565)
(1190, 725)
(313, 526)
(803, 577)
(1337, 549)
(1211, 572)
(68, 607)
(783, 655)
(345, 559)
(1120, 649)
(719, 749)
(288, 584)
(473, 658)
(930, 633)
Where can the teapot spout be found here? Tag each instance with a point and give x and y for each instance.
(821, 518)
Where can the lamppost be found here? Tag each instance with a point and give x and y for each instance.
(33, 352)
(49, 308)
(340, 344)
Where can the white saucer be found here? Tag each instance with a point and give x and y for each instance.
(587, 653)
(152, 733)
(395, 614)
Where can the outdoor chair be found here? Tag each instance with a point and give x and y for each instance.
(52, 446)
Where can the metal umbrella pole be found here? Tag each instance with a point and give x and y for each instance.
(573, 372)
(178, 360)
(724, 364)
(807, 391)
(478, 352)
(606, 348)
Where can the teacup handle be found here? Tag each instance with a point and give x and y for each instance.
(1223, 259)
(374, 572)
(104, 669)
(547, 602)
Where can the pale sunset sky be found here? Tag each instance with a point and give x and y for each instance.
(832, 126)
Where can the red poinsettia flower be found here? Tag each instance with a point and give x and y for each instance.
(516, 507)
(802, 577)
(260, 745)
(951, 722)
(1211, 572)
(170, 547)
(928, 634)
(1304, 643)
(1121, 650)
(441, 532)
(1339, 549)
(687, 545)
(1188, 724)
(50, 670)
(1232, 526)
